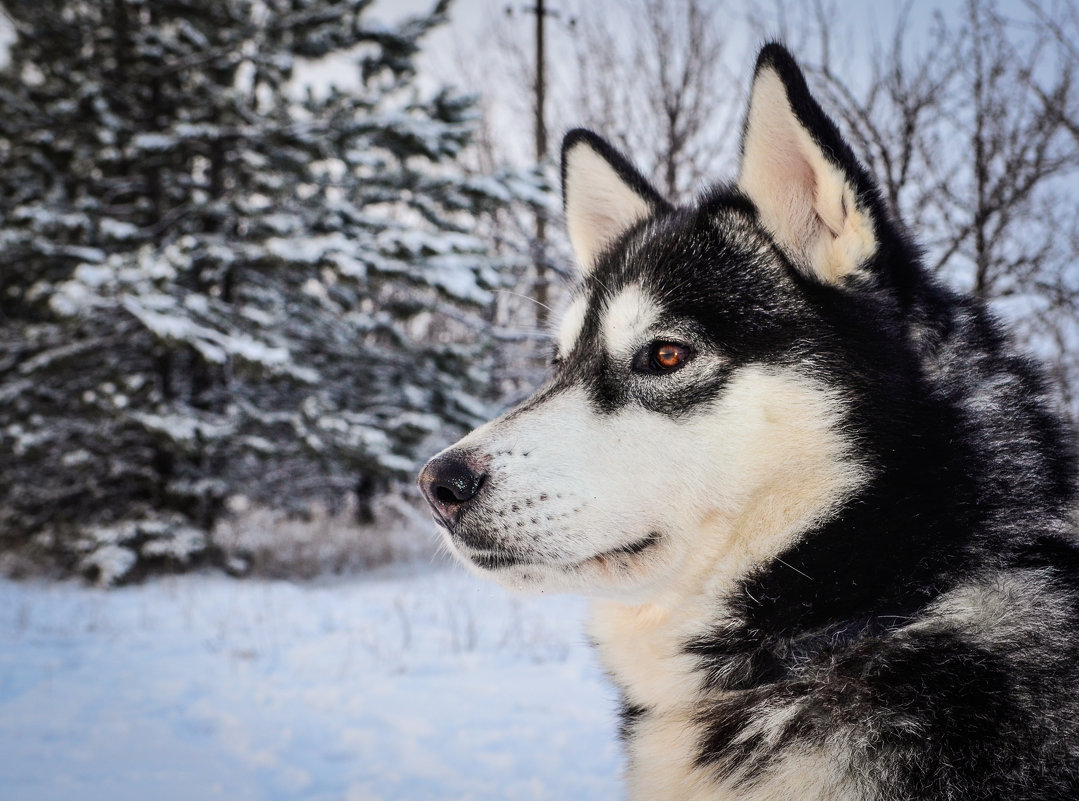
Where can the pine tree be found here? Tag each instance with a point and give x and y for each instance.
(219, 281)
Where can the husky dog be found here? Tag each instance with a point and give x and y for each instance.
(821, 505)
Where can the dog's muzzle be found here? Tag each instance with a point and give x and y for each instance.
(449, 482)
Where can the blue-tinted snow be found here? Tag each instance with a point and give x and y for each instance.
(410, 685)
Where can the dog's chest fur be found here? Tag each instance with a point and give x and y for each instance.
(664, 690)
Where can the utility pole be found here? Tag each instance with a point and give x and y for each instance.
(541, 290)
(540, 256)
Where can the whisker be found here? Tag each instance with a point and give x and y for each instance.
(526, 297)
(792, 567)
(606, 288)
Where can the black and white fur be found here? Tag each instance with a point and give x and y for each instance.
(831, 549)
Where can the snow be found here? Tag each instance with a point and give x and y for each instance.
(153, 141)
(182, 428)
(118, 229)
(455, 274)
(408, 684)
(112, 562)
(308, 249)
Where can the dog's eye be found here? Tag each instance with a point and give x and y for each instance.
(661, 357)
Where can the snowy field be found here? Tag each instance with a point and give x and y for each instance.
(409, 684)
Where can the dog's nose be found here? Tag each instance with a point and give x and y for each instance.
(448, 482)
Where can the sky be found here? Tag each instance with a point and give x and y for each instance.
(454, 50)
(860, 20)
(468, 18)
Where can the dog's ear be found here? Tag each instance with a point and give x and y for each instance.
(810, 191)
(603, 195)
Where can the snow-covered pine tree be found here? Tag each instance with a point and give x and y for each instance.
(217, 281)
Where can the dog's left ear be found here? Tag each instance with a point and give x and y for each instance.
(603, 195)
(810, 191)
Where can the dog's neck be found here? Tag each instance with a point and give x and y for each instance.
(643, 648)
(643, 642)
(737, 599)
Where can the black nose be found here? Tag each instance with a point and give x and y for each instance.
(449, 481)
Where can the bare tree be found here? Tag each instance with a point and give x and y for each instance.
(652, 76)
(659, 86)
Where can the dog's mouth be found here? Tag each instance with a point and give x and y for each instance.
(504, 559)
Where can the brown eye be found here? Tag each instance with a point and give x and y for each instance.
(661, 357)
(668, 356)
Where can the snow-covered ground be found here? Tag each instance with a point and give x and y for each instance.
(409, 684)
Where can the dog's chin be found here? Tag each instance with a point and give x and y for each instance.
(624, 568)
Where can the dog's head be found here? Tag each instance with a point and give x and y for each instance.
(693, 417)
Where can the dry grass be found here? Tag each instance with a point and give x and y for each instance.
(266, 542)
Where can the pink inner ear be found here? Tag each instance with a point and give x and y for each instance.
(600, 205)
(793, 175)
(792, 183)
(775, 171)
(800, 194)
